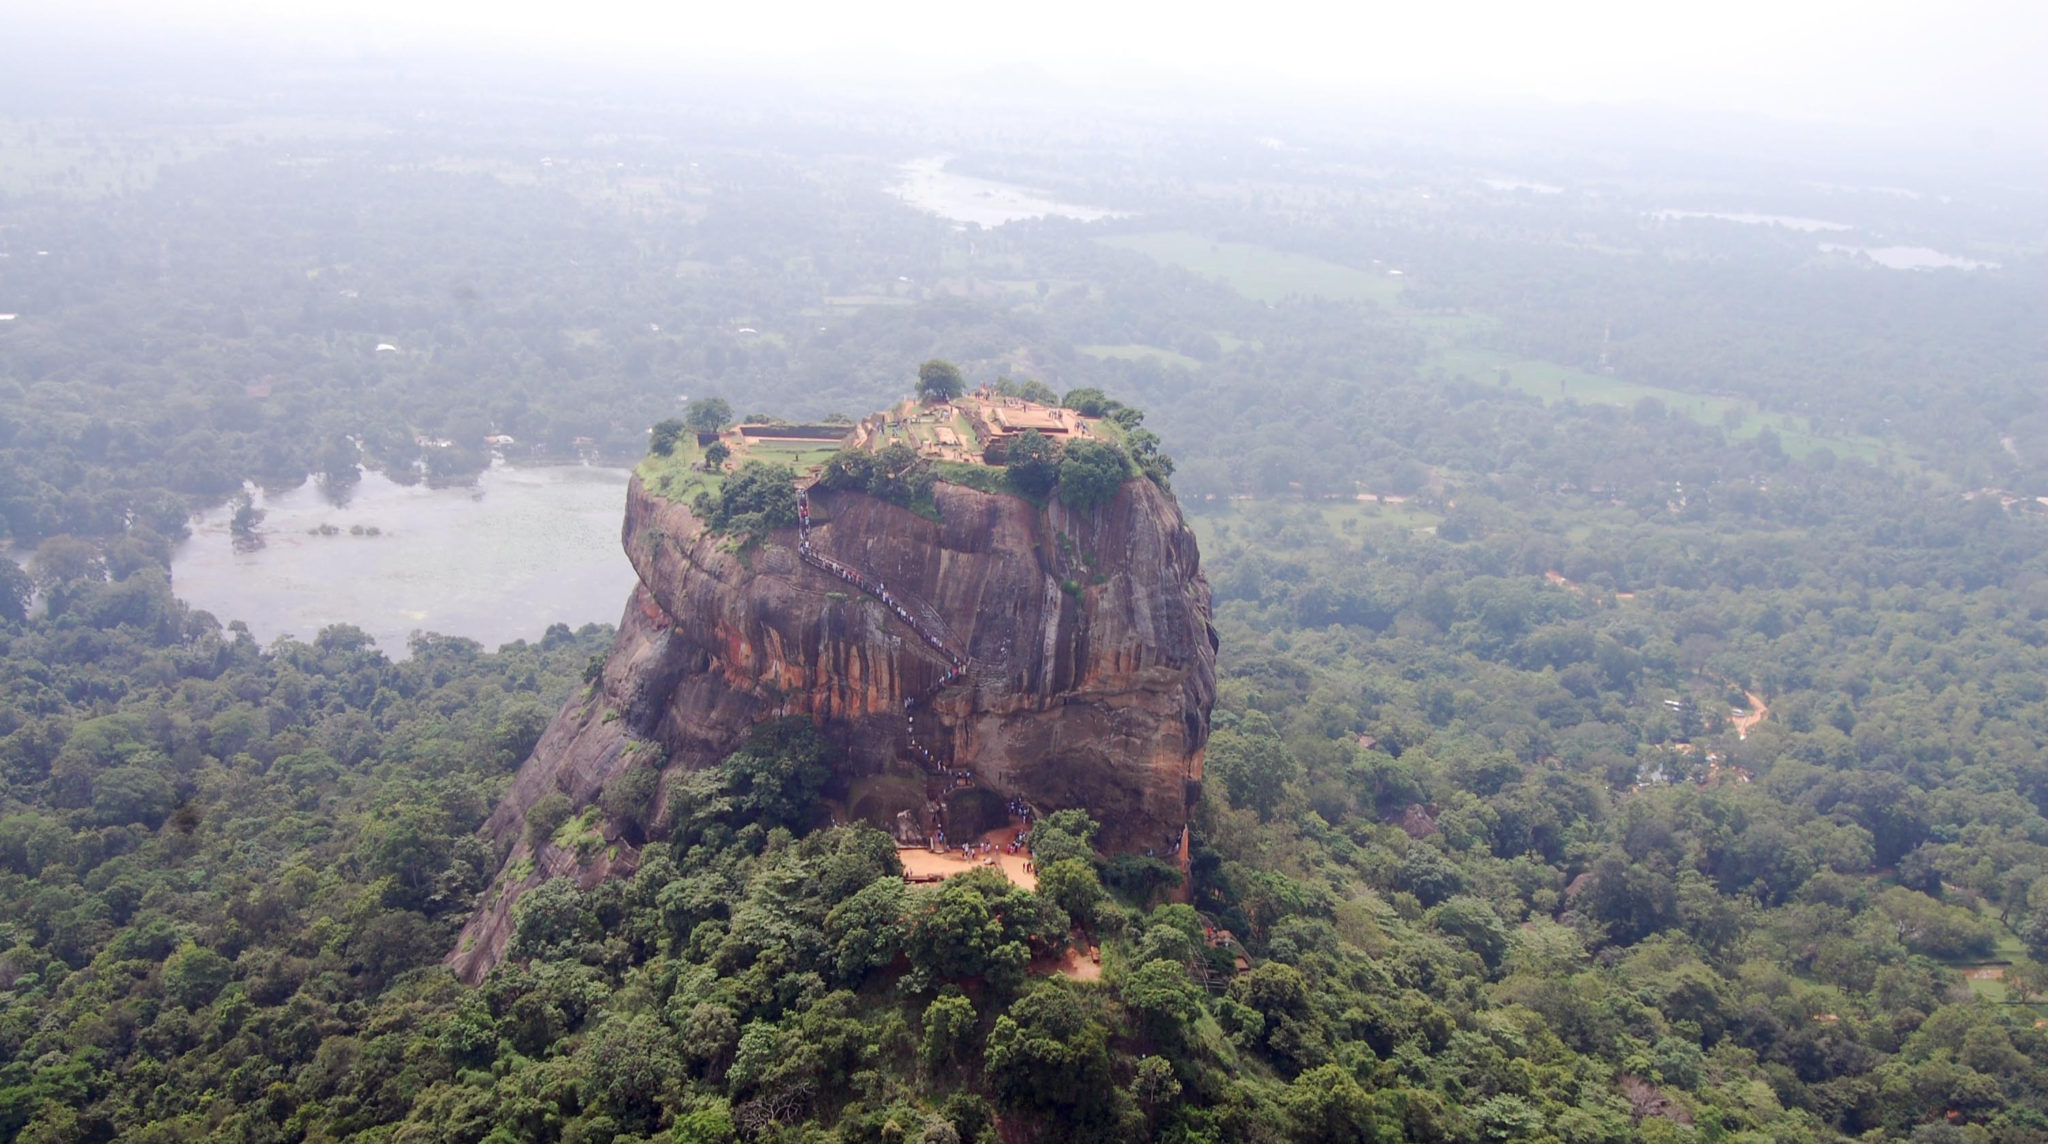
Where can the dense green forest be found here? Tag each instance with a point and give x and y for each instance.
(1591, 765)
(1504, 868)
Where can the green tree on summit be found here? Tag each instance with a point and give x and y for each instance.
(939, 380)
(708, 414)
(1089, 401)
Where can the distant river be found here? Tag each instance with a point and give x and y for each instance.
(927, 185)
(501, 561)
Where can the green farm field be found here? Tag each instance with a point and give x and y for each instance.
(1135, 352)
(1265, 274)
(1262, 273)
(1553, 382)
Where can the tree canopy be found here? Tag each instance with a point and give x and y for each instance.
(1033, 462)
(1091, 472)
(939, 380)
(708, 414)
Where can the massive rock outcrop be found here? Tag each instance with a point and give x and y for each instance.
(1090, 679)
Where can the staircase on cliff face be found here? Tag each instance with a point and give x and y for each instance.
(921, 618)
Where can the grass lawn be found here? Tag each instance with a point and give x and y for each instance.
(2008, 949)
(672, 477)
(1992, 991)
(1342, 514)
(1262, 273)
(799, 455)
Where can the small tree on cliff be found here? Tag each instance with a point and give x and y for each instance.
(1144, 446)
(939, 380)
(1091, 472)
(662, 441)
(754, 500)
(895, 474)
(546, 816)
(1034, 463)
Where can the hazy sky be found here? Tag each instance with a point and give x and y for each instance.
(1934, 61)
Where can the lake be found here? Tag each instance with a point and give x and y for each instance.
(1523, 185)
(496, 562)
(928, 186)
(1789, 222)
(1911, 257)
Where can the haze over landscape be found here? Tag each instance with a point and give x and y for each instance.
(1454, 573)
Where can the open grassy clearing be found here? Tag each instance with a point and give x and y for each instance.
(672, 476)
(1986, 979)
(46, 159)
(1052, 285)
(1136, 352)
(1447, 330)
(971, 282)
(1993, 989)
(1214, 520)
(509, 173)
(798, 455)
(67, 158)
(1344, 515)
(1265, 274)
(1553, 382)
(1262, 273)
(857, 301)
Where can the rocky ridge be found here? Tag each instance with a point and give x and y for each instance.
(1088, 679)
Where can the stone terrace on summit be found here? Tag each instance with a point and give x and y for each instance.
(975, 429)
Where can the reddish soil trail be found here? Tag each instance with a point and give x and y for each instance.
(1079, 966)
(1758, 712)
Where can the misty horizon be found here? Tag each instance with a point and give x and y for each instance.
(1959, 83)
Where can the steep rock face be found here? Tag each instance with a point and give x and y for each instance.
(1091, 676)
